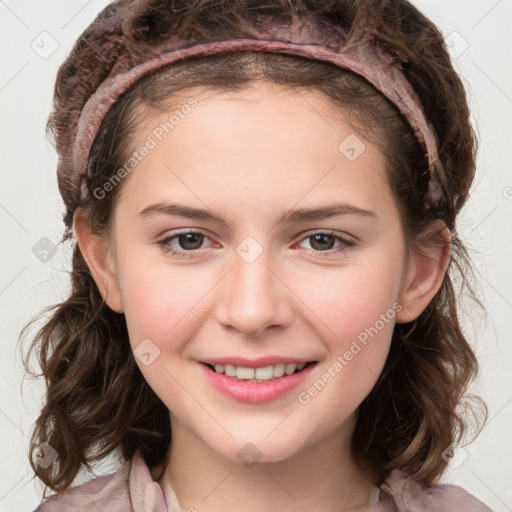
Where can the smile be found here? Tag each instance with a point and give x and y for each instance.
(256, 384)
(261, 374)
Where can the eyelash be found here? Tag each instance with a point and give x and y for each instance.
(164, 244)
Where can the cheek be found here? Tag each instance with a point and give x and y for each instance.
(159, 310)
(143, 308)
(356, 315)
(158, 301)
(354, 309)
(149, 308)
(350, 300)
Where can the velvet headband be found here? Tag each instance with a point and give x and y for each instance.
(313, 38)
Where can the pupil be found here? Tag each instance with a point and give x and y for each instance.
(188, 238)
(322, 236)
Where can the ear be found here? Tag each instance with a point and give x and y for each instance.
(97, 253)
(425, 273)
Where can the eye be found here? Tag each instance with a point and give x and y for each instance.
(322, 243)
(189, 241)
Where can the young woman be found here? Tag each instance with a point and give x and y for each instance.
(262, 315)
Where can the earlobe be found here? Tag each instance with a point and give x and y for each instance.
(97, 254)
(426, 272)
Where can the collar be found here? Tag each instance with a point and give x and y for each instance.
(146, 495)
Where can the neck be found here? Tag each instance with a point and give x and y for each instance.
(323, 476)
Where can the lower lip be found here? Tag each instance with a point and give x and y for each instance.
(255, 392)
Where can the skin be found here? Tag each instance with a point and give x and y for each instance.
(252, 156)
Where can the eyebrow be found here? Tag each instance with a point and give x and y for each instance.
(292, 216)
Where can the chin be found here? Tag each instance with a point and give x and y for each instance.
(258, 449)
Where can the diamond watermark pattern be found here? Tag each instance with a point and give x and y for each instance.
(44, 455)
(249, 454)
(455, 456)
(249, 249)
(44, 45)
(456, 44)
(351, 147)
(146, 352)
(44, 250)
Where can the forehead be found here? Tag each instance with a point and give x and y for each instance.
(266, 142)
(266, 102)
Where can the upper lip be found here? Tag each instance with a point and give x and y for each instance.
(255, 363)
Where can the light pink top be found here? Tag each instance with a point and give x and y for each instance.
(132, 489)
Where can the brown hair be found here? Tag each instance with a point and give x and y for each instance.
(97, 400)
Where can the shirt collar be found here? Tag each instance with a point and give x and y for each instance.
(146, 495)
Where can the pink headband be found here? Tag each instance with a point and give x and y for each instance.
(315, 39)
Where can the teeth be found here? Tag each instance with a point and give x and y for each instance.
(244, 373)
(265, 373)
(229, 370)
(290, 368)
(279, 370)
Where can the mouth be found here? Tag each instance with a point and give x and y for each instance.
(267, 373)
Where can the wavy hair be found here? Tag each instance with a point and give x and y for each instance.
(97, 401)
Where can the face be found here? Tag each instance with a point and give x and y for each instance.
(258, 277)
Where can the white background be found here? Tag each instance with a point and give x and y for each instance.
(31, 209)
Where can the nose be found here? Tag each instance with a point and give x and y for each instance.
(255, 296)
